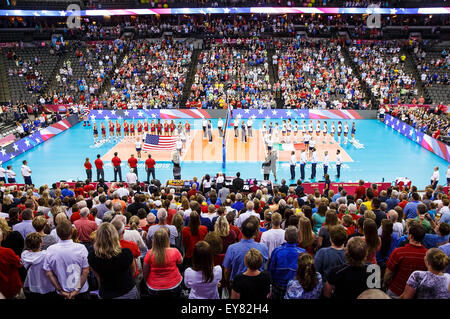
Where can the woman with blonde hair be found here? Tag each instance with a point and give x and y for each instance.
(11, 239)
(306, 237)
(222, 228)
(161, 274)
(307, 283)
(133, 233)
(112, 265)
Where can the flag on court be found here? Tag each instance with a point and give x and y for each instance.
(159, 143)
(283, 147)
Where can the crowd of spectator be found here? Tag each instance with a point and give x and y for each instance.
(382, 68)
(313, 74)
(233, 73)
(217, 241)
(430, 121)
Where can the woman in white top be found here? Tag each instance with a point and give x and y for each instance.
(203, 277)
(206, 183)
(220, 127)
(236, 127)
(138, 147)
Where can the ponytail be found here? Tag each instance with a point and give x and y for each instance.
(306, 272)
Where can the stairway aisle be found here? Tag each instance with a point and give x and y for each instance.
(189, 77)
(5, 94)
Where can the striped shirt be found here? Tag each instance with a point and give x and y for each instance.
(402, 262)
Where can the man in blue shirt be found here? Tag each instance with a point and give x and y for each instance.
(26, 226)
(393, 201)
(441, 236)
(410, 210)
(238, 205)
(234, 258)
(283, 262)
(67, 192)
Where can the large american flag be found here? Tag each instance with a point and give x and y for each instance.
(159, 143)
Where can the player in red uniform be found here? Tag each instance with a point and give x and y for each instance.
(132, 126)
(146, 126)
(118, 131)
(171, 127)
(159, 127)
(166, 128)
(103, 128)
(126, 130)
(111, 130)
(187, 127)
(139, 128)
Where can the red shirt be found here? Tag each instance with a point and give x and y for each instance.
(402, 204)
(116, 161)
(402, 262)
(134, 250)
(170, 213)
(10, 282)
(98, 163)
(76, 216)
(87, 188)
(167, 275)
(190, 240)
(87, 165)
(150, 162)
(360, 191)
(132, 161)
(85, 227)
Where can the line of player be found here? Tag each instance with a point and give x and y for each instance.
(138, 130)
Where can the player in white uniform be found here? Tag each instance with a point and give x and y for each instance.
(236, 127)
(346, 133)
(318, 128)
(310, 128)
(264, 128)
(303, 128)
(306, 140)
(138, 146)
(295, 130)
(249, 127)
(289, 130)
(333, 129)
(283, 131)
(220, 127)
(325, 132)
(276, 133)
(339, 131)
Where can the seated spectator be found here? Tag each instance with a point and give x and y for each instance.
(252, 283)
(203, 277)
(307, 283)
(112, 265)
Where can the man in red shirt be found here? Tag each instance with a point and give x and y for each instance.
(10, 283)
(150, 167)
(132, 163)
(88, 167)
(404, 260)
(84, 226)
(360, 190)
(99, 166)
(116, 161)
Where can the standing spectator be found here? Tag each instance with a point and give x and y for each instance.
(36, 285)
(39, 223)
(99, 166)
(389, 240)
(234, 258)
(192, 234)
(283, 262)
(372, 240)
(275, 236)
(10, 283)
(84, 226)
(324, 232)
(112, 265)
(244, 216)
(404, 260)
(2, 174)
(203, 277)
(162, 222)
(393, 200)
(150, 167)
(238, 183)
(350, 279)
(26, 173)
(26, 226)
(331, 257)
(252, 283)
(160, 269)
(176, 165)
(293, 162)
(410, 210)
(131, 177)
(360, 190)
(66, 264)
(88, 167)
(116, 161)
(307, 283)
(431, 284)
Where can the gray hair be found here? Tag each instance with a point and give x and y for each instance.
(84, 212)
(117, 207)
(120, 217)
(250, 205)
(393, 215)
(81, 204)
(161, 214)
(291, 234)
(394, 194)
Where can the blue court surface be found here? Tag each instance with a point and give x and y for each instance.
(386, 155)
